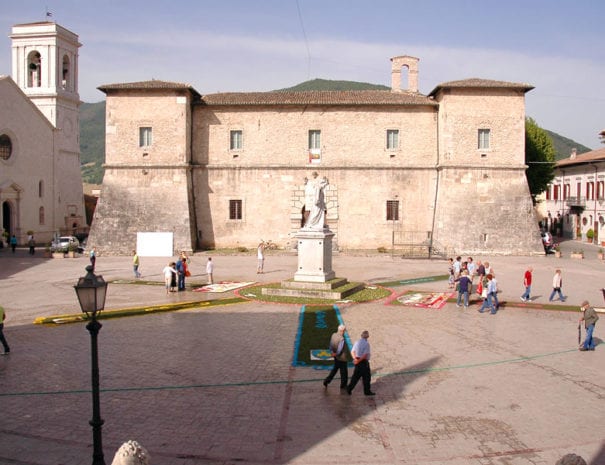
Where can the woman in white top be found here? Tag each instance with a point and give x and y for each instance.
(169, 271)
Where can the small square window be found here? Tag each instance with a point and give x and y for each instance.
(145, 138)
(235, 209)
(392, 139)
(235, 140)
(392, 210)
(483, 139)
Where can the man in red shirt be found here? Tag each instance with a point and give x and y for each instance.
(527, 283)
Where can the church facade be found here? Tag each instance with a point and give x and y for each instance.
(444, 171)
(40, 180)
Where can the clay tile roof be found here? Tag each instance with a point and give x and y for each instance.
(148, 85)
(594, 155)
(476, 83)
(350, 97)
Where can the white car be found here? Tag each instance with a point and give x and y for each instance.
(65, 243)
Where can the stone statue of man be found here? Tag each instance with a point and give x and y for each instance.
(315, 205)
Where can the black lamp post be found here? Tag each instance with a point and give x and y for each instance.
(91, 290)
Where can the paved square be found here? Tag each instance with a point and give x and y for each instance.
(216, 385)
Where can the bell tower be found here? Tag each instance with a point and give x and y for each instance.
(45, 67)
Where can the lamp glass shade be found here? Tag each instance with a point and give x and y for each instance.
(91, 291)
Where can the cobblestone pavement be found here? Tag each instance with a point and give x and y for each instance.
(215, 385)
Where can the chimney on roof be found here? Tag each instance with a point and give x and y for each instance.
(574, 152)
(411, 66)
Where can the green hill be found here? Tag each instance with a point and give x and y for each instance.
(325, 84)
(92, 141)
(563, 145)
(92, 128)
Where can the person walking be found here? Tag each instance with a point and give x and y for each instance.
(32, 245)
(361, 359)
(13, 243)
(260, 254)
(465, 286)
(527, 283)
(210, 270)
(557, 283)
(496, 302)
(491, 292)
(93, 257)
(590, 319)
(135, 264)
(338, 349)
(7, 349)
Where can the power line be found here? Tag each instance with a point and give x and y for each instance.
(302, 26)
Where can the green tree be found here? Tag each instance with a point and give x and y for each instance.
(539, 156)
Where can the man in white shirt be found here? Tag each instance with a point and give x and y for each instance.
(361, 359)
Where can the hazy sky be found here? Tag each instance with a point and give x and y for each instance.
(261, 45)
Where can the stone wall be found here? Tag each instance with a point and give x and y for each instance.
(469, 200)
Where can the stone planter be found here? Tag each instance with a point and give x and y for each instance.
(557, 253)
(577, 255)
(58, 255)
(600, 256)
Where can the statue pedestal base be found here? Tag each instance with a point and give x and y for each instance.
(314, 256)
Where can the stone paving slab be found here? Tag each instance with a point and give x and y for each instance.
(216, 385)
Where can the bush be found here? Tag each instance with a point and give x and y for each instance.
(590, 234)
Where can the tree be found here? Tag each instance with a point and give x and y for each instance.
(539, 156)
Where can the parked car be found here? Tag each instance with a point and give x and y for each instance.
(65, 243)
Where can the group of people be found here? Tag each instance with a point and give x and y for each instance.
(175, 274)
(360, 353)
(557, 286)
(462, 275)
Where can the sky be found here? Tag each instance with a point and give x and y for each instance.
(262, 45)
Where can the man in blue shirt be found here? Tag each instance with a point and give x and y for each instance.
(361, 359)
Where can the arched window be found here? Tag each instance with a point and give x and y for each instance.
(34, 69)
(41, 189)
(66, 73)
(41, 215)
(6, 147)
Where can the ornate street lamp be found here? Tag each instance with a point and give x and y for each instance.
(91, 290)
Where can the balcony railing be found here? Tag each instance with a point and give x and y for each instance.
(578, 201)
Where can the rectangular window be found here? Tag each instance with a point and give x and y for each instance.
(483, 139)
(392, 210)
(555, 192)
(566, 191)
(144, 137)
(579, 190)
(235, 209)
(314, 139)
(590, 190)
(600, 190)
(548, 188)
(235, 140)
(392, 139)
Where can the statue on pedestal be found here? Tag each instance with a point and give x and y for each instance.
(315, 205)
